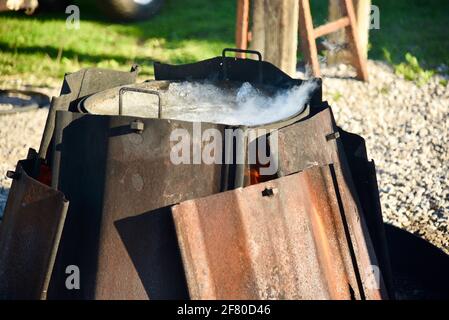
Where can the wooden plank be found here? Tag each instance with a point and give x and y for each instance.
(359, 60)
(362, 10)
(331, 27)
(340, 54)
(241, 33)
(275, 32)
(258, 26)
(308, 44)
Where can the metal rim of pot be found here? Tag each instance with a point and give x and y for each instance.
(302, 111)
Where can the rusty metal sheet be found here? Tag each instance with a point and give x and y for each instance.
(304, 144)
(364, 176)
(283, 239)
(80, 84)
(316, 141)
(29, 238)
(115, 177)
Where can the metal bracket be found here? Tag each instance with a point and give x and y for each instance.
(13, 175)
(269, 192)
(333, 136)
(138, 126)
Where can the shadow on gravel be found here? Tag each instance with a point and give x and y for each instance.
(420, 270)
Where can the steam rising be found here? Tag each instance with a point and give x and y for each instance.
(247, 105)
(207, 102)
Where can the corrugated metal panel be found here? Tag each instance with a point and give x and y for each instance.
(253, 243)
(304, 144)
(364, 176)
(316, 141)
(115, 180)
(29, 237)
(80, 84)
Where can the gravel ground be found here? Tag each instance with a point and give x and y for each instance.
(18, 133)
(406, 128)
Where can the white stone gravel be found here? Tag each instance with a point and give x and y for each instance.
(406, 128)
(18, 133)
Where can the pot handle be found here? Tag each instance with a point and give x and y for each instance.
(127, 89)
(259, 56)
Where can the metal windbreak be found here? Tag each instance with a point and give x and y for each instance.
(282, 239)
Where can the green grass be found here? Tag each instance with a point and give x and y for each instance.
(411, 70)
(187, 31)
(41, 44)
(408, 28)
(418, 27)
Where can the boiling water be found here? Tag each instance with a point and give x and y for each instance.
(246, 105)
(206, 102)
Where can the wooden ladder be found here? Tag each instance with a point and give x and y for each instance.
(309, 34)
(242, 26)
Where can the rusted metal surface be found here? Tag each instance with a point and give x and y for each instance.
(112, 174)
(304, 144)
(283, 239)
(316, 142)
(300, 236)
(363, 173)
(80, 84)
(29, 238)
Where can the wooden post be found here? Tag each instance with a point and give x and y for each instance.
(359, 62)
(309, 34)
(308, 44)
(362, 12)
(241, 30)
(258, 26)
(275, 32)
